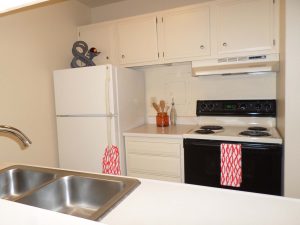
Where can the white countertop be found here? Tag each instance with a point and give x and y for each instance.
(230, 133)
(151, 130)
(165, 203)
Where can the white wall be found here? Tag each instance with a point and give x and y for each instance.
(33, 43)
(135, 7)
(292, 98)
(165, 82)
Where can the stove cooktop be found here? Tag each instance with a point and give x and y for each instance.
(236, 120)
(236, 133)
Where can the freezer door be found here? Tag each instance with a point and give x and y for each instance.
(82, 141)
(81, 91)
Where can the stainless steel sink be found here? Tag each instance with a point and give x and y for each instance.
(79, 194)
(73, 195)
(16, 182)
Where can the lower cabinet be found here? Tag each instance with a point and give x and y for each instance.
(155, 158)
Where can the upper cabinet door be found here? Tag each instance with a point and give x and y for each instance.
(245, 26)
(137, 39)
(100, 36)
(186, 33)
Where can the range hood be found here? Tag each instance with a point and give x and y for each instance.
(236, 65)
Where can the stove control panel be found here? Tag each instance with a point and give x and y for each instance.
(258, 108)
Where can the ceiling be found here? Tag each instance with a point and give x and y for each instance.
(96, 3)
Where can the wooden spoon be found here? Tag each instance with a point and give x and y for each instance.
(156, 107)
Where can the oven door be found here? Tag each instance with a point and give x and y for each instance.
(261, 165)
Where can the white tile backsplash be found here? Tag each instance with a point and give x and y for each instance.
(165, 82)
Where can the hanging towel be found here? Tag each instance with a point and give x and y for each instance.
(231, 164)
(111, 161)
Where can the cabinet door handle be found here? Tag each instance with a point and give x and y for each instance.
(224, 44)
(107, 57)
(123, 56)
(202, 47)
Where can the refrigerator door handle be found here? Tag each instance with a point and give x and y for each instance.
(89, 115)
(107, 105)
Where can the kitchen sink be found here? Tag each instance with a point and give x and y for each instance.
(16, 182)
(75, 195)
(84, 195)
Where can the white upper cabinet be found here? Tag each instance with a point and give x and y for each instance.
(186, 33)
(102, 37)
(210, 30)
(137, 39)
(245, 26)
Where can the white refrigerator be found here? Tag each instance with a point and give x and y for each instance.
(94, 106)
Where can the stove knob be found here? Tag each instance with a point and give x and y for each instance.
(203, 107)
(243, 106)
(268, 107)
(258, 107)
(210, 106)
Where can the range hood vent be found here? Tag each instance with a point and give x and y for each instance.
(236, 65)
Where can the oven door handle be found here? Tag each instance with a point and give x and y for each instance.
(217, 143)
(201, 143)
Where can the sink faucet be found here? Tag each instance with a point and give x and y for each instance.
(19, 134)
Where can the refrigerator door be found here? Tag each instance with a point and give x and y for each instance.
(81, 91)
(82, 141)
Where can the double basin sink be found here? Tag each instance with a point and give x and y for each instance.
(84, 195)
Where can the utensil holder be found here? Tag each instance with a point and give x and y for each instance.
(162, 119)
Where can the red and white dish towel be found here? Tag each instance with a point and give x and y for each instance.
(111, 161)
(231, 164)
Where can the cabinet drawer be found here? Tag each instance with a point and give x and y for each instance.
(154, 177)
(153, 148)
(154, 165)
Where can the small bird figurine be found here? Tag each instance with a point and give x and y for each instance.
(93, 52)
